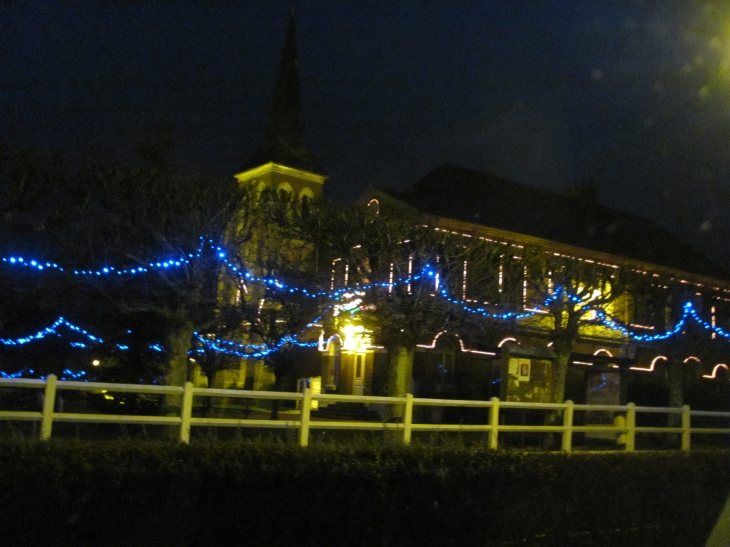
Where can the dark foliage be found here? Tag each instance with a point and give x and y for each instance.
(92, 215)
(263, 493)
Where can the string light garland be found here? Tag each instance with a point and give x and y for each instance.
(52, 329)
(232, 347)
(107, 270)
(165, 264)
(345, 295)
(261, 353)
(220, 253)
(66, 374)
(18, 374)
(688, 312)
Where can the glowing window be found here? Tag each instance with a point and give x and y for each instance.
(306, 193)
(284, 187)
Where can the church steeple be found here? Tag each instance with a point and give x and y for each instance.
(284, 138)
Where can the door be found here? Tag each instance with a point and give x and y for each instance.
(358, 381)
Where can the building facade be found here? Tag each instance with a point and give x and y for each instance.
(619, 352)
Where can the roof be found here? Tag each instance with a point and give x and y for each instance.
(284, 138)
(491, 201)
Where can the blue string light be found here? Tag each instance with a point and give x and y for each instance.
(230, 347)
(18, 374)
(166, 264)
(235, 348)
(688, 312)
(69, 374)
(274, 283)
(483, 312)
(66, 374)
(261, 351)
(40, 266)
(53, 330)
(559, 293)
(220, 253)
(219, 346)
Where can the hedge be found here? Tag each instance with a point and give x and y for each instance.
(258, 493)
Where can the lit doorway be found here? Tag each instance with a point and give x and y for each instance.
(358, 379)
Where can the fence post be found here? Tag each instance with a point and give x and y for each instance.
(494, 424)
(49, 402)
(186, 412)
(686, 427)
(630, 427)
(408, 419)
(568, 426)
(304, 417)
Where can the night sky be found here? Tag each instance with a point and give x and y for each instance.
(632, 95)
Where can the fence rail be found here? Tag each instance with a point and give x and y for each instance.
(624, 425)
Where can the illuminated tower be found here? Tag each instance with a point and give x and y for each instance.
(283, 162)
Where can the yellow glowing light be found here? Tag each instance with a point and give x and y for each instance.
(351, 330)
(591, 315)
(714, 371)
(464, 349)
(324, 346)
(355, 338)
(96, 362)
(651, 367)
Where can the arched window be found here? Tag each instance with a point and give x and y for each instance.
(284, 187)
(306, 193)
(373, 207)
(305, 197)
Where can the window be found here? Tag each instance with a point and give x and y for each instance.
(284, 187)
(511, 287)
(306, 194)
(373, 207)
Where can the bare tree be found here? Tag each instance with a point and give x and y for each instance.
(576, 295)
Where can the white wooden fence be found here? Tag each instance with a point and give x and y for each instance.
(625, 425)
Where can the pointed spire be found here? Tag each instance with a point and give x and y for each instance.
(284, 138)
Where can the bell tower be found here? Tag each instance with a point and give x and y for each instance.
(283, 162)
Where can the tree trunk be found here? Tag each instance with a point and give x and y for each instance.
(675, 378)
(676, 381)
(208, 364)
(561, 359)
(560, 372)
(399, 377)
(177, 346)
(278, 381)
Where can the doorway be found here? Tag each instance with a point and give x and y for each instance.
(358, 380)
